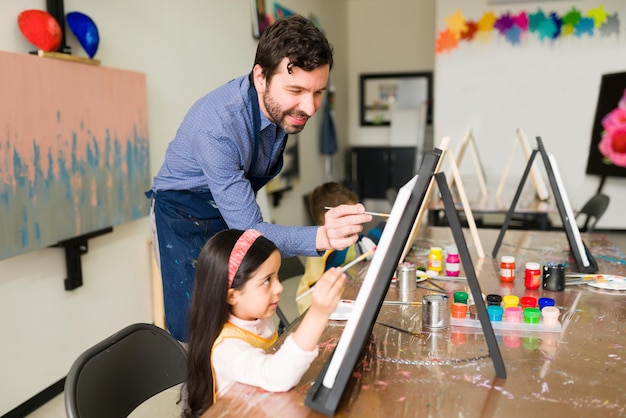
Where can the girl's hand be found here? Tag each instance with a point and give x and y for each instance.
(328, 291)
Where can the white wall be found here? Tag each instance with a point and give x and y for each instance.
(386, 37)
(186, 48)
(549, 89)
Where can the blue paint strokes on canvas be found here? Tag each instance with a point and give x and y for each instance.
(106, 184)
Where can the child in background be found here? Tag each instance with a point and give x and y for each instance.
(230, 322)
(331, 194)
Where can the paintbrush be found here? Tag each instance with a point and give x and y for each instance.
(344, 269)
(406, 331)
(388, 302)
(382, 215)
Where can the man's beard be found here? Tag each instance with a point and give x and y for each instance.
(278, 116)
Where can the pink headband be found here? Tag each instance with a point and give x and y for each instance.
(239, 251)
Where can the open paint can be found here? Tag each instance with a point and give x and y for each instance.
(435, 313)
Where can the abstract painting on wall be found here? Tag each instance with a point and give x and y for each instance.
(74, 154)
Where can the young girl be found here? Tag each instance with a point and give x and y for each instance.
(230, 322)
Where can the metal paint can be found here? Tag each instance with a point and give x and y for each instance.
(406, 277)
(554, 277)
(435, 313)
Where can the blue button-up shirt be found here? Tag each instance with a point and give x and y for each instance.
(212, 150)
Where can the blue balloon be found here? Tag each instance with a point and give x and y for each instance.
(85, 30)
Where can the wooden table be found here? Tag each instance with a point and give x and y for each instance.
(579, 372)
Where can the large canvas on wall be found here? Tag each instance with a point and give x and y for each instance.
(73, 150)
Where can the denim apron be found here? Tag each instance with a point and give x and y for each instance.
(185, 220)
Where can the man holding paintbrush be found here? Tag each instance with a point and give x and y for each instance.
(229, 145)
(325, 199)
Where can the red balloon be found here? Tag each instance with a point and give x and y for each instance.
(41, 29)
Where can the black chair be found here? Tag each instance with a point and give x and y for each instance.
(291, 270)
(113, 377)
(593, 211)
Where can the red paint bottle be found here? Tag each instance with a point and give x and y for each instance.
(507, 268)
(532, 275)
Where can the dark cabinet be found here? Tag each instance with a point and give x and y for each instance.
(373, 170)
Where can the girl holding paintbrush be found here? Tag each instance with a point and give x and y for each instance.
(230, 321)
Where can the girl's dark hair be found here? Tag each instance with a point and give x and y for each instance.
(297, 39)
(209, 310)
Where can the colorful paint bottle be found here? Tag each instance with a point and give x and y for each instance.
(435, 259)
(494, 300)
(532, 275)
(453, 262)
(473, 313)
(543, 302)
(459, 310)
(513, 314)
(550, 315)
(510, 301)
(528, 302)
(507, 268)
(495, 312)
(461, 297)
(531, 315)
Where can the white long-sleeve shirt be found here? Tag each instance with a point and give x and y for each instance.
(235, 360)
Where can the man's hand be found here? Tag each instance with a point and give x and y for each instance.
(342, 227)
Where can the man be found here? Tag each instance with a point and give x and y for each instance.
(229, 145)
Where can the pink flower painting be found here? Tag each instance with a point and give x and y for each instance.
(613, 142)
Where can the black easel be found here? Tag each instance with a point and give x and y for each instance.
(577, 246)
(326, 399)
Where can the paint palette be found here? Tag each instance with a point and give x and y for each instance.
(609, 283)
(343, 311)
(505, 325)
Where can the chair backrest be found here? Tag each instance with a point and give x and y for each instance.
(113, 377)
(291, 269)
(593, 211)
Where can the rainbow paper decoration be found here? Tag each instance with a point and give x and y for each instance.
(514, 27)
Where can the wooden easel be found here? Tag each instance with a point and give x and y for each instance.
(539, 185)
(468, 140)
(443, 146)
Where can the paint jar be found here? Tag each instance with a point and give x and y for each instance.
(531, 315)
(513, 314)
(473, 313)
(435, 259)
(532, 275)
(453, 262)
(550, 315)
(510, 301)
(554, 277)
(460, 297)
(543, 302)
(528, 302)
(406, 277)
(435, 314)
(459, 310)
(495, 312)
(494, 300)
(507, 268)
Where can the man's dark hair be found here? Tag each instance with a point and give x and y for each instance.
(297, 39)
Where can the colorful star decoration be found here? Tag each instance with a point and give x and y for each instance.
(547, 26)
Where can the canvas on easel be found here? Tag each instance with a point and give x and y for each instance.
(443, 146)
(541, 190)
(327, 391)
(469, 141)
(582, 256)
